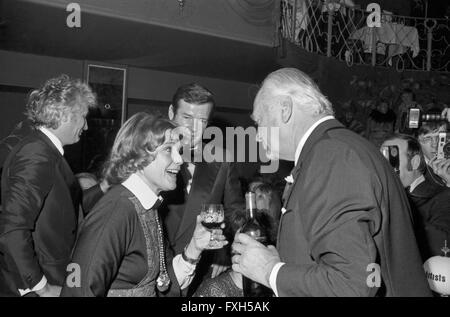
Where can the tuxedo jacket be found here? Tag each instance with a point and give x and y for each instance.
(347, 227)
(39, 216)
(212, 183)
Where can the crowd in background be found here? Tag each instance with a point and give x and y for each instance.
(378, 109)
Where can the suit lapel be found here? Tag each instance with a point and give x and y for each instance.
(317, 134)
(201, 187)
(290, 186)
(65, 170)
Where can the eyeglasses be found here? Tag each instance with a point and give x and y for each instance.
(429, 139)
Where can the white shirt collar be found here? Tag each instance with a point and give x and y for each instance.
(416, 183)
(305, 137)
(53, 138)
(141, 190)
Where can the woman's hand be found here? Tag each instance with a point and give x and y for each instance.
(202, 237)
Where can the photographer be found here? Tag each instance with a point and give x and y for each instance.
(440, 167)
(429, 201)
(428, 137)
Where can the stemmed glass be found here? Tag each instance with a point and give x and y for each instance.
(212, 216)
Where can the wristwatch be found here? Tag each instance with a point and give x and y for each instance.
(189, 260)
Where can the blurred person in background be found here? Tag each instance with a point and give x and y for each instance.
(380, 123)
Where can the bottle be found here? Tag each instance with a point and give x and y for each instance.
(253, 228)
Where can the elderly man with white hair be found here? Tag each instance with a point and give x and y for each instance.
(346, 226)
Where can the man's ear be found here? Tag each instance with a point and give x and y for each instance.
(171, 113)
(66, 117)
(286, 108)
(415, 162)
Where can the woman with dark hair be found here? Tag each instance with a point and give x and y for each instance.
(380, 123)
(120, 250)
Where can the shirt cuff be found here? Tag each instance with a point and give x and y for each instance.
(273, 277)
(36, 288)
(184, 271)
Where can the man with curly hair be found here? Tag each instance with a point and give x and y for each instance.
(40, 195)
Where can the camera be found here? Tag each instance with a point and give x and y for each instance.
(391, 153)
(416, 117)
(443, 151)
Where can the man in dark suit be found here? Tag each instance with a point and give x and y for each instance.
(200, 181)
(430, 202)
(40, 195)
(346, 226)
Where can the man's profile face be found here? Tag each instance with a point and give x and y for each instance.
(74, 125)
(266, 121)
(406, 176)
(192, 116)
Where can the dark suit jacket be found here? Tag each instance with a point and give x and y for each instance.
(214, 183)
(21, 130)
(39, 215)
(431, 206)
(346, 210)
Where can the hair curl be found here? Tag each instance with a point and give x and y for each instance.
(135, 145)
(56, 98)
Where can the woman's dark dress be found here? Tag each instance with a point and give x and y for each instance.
(117, 249)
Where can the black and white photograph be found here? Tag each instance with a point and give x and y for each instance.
(230, 154)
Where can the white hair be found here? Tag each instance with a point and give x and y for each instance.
(300, 87)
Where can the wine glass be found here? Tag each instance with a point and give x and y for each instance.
(212, 216)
